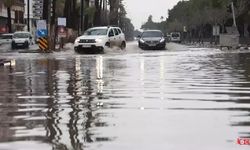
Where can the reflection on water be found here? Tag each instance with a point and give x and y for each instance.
(140, 101)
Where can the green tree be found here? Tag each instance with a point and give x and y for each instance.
(71, 11)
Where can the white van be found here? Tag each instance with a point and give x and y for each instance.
(21, 39)
(175, 37)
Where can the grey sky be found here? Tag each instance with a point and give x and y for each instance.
(139, 10)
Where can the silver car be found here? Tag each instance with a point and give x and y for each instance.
(6, 38)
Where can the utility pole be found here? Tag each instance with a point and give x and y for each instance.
(50, 26)
(28, 14)
(54, 25)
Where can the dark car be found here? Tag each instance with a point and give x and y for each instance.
(152, 39)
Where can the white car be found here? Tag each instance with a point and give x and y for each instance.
(6, 38)
(97, 38)
(21, 39)
(175, 37)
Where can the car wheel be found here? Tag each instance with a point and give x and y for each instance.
(139, 45)
(13, 46)
(26, 45)
(123, 45)
(76, 49)
(107, 44)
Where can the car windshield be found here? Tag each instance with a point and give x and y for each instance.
(96, 32)
(151, 34)
(21, 35)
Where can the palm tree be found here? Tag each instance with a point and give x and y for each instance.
(114, 4)
(69, 9)
(9, 4)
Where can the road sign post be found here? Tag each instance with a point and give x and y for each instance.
(43, 44)
(42, 35)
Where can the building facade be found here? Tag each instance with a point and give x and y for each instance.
(17, 16)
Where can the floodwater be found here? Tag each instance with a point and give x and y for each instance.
(180, 99)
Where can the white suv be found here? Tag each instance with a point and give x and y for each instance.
(21, 39)
(97, 38)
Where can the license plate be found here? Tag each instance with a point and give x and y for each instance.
(86, 46)
(19, 44)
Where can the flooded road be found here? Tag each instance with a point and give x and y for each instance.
(182, 98)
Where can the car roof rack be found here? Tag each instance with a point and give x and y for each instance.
(112, 26)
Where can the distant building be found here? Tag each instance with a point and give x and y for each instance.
(17, 16)
(32, 14)
(3, 18)
(18, 9)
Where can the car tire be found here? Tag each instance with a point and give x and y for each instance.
(107, 44)
(26, 45)
(123, 45)
(139, 45)
(163, 48)
(13, 46)
(76, 49)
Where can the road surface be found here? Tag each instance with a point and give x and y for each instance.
(180, 98)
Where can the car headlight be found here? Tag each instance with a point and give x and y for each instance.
(77, 40)
(162, 40)
(98, 40)
(142, 41)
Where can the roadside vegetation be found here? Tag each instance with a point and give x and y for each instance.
(95, 13)
(196, 18)
(100, 13)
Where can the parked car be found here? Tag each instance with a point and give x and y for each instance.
(21, 39)
(152, 39)
(175, 37)
(6, 38)
(97, 38)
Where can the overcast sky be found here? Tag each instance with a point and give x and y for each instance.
(139, 10)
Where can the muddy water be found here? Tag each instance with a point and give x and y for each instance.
(188, 99)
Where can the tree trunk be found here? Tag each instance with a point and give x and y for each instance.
(86, 17)
(100, 12)
(9, 20)
(97, 16)
(70, 13)
(74, 17)
(114, 4)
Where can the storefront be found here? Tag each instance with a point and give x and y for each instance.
(3, 25)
